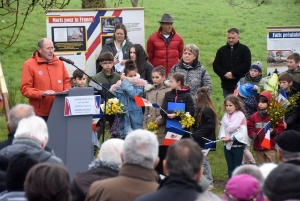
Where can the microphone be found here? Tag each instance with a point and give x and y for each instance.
(66, 60)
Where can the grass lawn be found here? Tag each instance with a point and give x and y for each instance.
(203, 23)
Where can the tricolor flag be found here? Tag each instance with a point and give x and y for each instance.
(174, 134)
(209, 145)
(266, 143)
(143, 102)
(282, 98)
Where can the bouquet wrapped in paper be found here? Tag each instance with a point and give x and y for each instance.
(186, 119)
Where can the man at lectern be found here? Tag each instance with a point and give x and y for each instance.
(43, 74)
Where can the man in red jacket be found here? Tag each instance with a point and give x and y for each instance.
(43, 74)
(165, 47)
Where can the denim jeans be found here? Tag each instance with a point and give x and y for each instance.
(226, 92)
(234, 158)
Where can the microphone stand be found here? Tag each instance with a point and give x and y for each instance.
(106, 90)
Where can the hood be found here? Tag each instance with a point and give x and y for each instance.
(266, 94)
(40, 60)
(150, 87)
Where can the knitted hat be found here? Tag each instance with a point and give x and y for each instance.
(283, 183)
(257, 65)
(289, 141)
(247, 90)
(243, 187)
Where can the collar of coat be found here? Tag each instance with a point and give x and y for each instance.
(138, 172)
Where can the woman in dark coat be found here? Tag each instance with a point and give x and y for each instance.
(140, 57)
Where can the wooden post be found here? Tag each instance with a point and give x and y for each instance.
(4, 93)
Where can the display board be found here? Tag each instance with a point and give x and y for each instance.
(79, 35)
(281, 42)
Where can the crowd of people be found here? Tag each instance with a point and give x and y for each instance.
(126, 167)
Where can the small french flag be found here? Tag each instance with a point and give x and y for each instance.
(143, 102)
(173, 135)
(266, 143)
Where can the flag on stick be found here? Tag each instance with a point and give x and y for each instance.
(266, 143)
(173, 135)
(143, 102)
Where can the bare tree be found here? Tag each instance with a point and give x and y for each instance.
(20, 10)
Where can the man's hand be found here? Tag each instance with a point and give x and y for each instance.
(229, 76)
(47, 92)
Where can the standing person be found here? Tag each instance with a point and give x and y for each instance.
(293, 62)
(155, 94)
(125, 89)
(205, 126)
(179, 93)
(140, 57)
(119, 46)
(233, 132)
(256, 131)
(232, 61)
(43, 74)
(194, 72)
(165, 46)
(78, 78)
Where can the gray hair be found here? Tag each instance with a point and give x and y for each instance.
(251, 170)
(40, 43)
(110, 151)
(287, 155)
(184, 158)
(140, 148)
(17, 113)
(193, 49)
(33, 127)
(208, 196)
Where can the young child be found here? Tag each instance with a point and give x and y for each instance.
(256, 131)
(107, 77)
(254, 75)
(205, 126)
(125, 89)
(293, 62)
(292, 118)
(233, 132)
(155, 94)
(78, 79)
(179, 93)
(246, 93)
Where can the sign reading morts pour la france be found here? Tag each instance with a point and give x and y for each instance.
(82, 105)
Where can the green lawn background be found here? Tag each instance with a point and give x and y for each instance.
(199, 22)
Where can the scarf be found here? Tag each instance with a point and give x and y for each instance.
(133, 80)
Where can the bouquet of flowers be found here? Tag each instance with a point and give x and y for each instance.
(276, 112)
(293, 101)
(153, 127)
(113, 106)
(186, 119)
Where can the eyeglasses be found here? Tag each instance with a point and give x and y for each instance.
(107, 63)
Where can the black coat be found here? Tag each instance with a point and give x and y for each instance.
(174, 188)
(82, 181)
(8, 141)
(178, 96)
(147, 72)
(207, 128)
(236, 60)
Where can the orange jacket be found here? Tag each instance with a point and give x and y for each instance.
(39, 76)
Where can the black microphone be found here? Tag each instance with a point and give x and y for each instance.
(66, 60)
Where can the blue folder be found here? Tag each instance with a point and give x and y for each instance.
(175, 107)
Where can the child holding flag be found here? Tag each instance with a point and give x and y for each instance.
(155, 94)
(233, 132)
(264, 138)
(205, 127)
(125, 89)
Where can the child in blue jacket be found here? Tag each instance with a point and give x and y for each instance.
(125, 89)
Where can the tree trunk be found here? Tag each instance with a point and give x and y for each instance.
(93, 3)
(134, 3)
